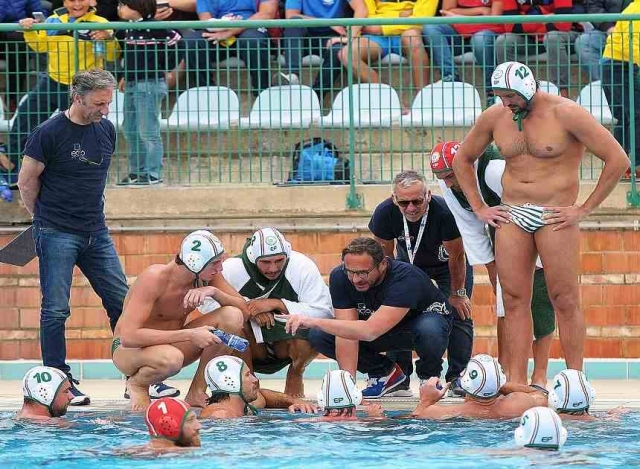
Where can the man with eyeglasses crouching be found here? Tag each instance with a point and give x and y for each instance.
(422, 230)
(380, 305)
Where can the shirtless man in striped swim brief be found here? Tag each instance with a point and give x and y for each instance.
(542, 138)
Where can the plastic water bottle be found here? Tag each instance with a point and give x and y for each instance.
(5, 192)
(98, 49)
(232, 341)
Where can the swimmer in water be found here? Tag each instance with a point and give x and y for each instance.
(540, 428)
(489, 396)
(46, 394)
(172, 425)
(235, 392)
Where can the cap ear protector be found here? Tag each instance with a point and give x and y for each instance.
(165, 418)
(199, 249)
(483, 377)
(540, 427)
(442, 156)
(339, 391)
(42, 384)
(267, 242)
(571, 392)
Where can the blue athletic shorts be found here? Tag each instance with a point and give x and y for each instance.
(388, 44)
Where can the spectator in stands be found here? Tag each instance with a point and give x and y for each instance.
(377, 42)
(52, 90)
(523, 40)
(324, 41)
(590, 44)
(146, 52)
(251, 45)
(167, 10)
(618, 86)
(480, 38)
(13, 49)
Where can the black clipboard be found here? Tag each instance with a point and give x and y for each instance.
(21, 250)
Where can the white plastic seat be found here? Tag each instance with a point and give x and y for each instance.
(374, 105)
(4, 122)
(116, 110)
(281, 107)
(444, 104)
(593, 99)
(392, 59)
(204, 108)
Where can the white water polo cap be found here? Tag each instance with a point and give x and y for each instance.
(223, 375)
(267, 242)
(339, 391)
(540, 427)
(199, 249)
(514, 76)
(42, 384)
(571, 392)
(483, 377)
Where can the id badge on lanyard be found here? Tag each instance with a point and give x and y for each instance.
(407, 237)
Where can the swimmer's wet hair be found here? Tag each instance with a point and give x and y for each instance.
(364, 245)
(350, 412)
(407, 179)
(218, 397)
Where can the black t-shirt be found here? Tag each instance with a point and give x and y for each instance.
(386, 223)
(76, 159)
(404, 286)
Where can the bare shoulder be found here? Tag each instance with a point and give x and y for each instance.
(155, 276)
(567, 110)
(213, 412)
(491, 115)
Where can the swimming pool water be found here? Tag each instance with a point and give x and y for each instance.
(277, 439)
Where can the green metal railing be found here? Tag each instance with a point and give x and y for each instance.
(226, 121)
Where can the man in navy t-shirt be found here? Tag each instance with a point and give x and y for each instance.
(380, 305)
(62, 182)
(434, 245)
(323, 41)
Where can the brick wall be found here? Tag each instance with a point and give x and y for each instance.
(610, 289)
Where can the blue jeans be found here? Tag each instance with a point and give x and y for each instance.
(426, 333)
(312, 41)
(46, 97)
(142, 100)
(460, 341)
(58, 252)
(589, 47)
(443, 40)
(617, 89)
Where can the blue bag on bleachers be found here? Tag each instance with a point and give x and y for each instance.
(318, 160)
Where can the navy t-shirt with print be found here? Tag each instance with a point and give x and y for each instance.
(404, 286)
(76, 162)
(386, 223)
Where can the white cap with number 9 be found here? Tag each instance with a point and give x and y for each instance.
(483, 377)
(199, 249)
(42, 383)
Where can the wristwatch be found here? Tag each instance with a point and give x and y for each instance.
(462, 292)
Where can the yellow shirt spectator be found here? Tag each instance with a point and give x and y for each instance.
(417, 9)
(617, 47)
(60, 47)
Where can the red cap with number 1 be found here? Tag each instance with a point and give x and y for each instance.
(165, 417)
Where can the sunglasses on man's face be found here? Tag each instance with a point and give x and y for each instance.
(406, 203)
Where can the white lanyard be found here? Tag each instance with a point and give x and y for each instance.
(407, 237)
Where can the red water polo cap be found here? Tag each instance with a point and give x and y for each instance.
(442, 156)
(166, 416)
